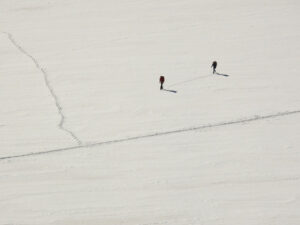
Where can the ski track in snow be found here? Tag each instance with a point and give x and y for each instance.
(220, 124)
(50, 88)
(189, 80)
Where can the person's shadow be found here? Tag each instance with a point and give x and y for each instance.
(222, 74)
(172, 91)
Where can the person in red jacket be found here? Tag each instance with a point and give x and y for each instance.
(161, 81)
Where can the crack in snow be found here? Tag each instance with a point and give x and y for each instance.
(50, 88)
(207, 126)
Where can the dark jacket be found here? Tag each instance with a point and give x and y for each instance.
(214, 64)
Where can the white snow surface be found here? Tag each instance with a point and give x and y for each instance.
(87, 137)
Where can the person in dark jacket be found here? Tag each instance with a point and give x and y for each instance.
(161, 81)
(214, 66)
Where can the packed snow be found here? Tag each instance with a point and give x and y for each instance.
(88, 137)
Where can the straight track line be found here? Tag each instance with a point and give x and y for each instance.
(188, 129)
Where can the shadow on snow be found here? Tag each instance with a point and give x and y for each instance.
(173, 91)
(221, 74)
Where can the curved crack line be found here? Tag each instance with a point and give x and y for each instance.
(50, 88)
(189, 129)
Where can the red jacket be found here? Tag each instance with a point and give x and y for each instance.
(162, 79)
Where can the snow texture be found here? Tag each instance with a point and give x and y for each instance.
(87, 137)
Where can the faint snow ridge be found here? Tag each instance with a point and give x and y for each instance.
(48, 84)
(160, 133)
